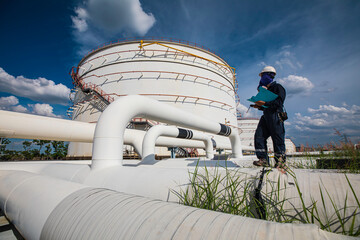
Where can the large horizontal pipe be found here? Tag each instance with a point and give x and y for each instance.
(126, 216)
(49, 128)
(47, 208)
(109, 132)
(30, 126)
(148, 151)
(28, 199)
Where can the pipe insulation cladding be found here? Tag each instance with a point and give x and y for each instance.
(109, 132)
(44, 128)
(46, 208)
(48, 128)
(171, 131)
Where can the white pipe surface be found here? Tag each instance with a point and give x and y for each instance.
(96, 213)
(28, 199)
(48, 128)
(148, 149)
(109, 132)
(29, 126)
(47, 208)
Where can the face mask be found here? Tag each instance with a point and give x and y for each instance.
(266, 78)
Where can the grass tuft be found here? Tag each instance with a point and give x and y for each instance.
(229, 190)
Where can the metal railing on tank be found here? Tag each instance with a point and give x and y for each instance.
(173, 40)
(179, 76)
(182, 98)
(165, 39)
(178, 56)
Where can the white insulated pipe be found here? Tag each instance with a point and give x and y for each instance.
(48, 128)
(47, 208)
(126, 216)
(28, 199)
(148, 148)
(109, 132)
(29, 126)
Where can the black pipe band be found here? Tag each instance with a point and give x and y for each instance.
(213, 143)
(183, 133)
(224, 130)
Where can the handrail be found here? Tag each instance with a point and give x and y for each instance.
(232, 70)
(173, 40)
(191, 75)
(173, 95)
(157, 50)
(80, 83)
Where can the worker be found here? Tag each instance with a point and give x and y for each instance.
(270, 124)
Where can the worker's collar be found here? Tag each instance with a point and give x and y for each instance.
(270, 84)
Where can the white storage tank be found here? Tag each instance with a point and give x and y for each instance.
(172, 71)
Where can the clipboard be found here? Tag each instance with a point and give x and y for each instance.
(263, 95)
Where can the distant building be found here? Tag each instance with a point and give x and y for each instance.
(248, 128)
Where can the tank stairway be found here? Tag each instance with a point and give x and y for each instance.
(186, 152)
(92, 93)
(87, 92)
(141, 124)
(181, 152)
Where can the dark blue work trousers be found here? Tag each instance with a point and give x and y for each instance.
(270, 126)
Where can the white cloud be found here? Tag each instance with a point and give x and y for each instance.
(19, 108)
(11, 104)
(287, 59)
(325, 109)
(296, 85)
(323, 120)
(8, 101)
(43, 109)
(39, 89)
(79, 21)
(101, 20)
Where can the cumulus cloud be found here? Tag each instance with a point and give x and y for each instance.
(43, 109)
(330, 109)
(296, 85)
(100, 20)
(285, 58)
(11, 104)
(39, 89)
(79, 20)
(324, 119)
(8, 101)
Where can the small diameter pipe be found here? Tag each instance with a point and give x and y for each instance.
(148, 148)
(109, 132)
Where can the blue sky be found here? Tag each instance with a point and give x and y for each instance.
(314, 45)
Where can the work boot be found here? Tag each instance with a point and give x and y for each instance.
(280, 164)
(261, 163)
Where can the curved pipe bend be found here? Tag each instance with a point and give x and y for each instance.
(49, 128)
(148, 147)
(109, 132)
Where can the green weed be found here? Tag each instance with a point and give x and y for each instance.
(231, 191)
